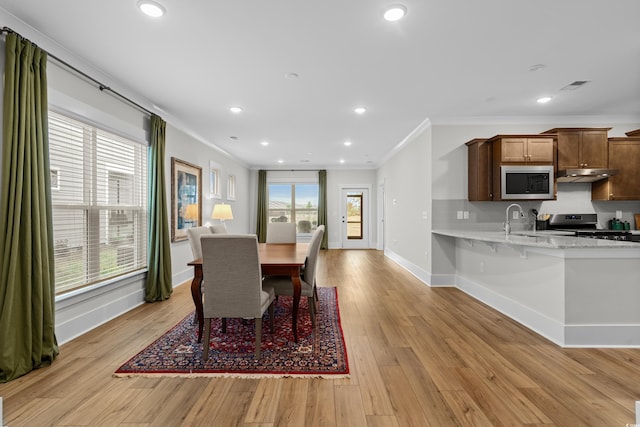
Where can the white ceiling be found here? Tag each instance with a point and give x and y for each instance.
(447, 61)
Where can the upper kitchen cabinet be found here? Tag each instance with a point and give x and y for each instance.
(633, 132)
(537, 149)
(479, 170)
(624, 155)
(581, 148)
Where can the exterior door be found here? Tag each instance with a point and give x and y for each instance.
(355, 218)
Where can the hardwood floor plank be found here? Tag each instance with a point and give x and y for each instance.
(262, 408)
(292, 403)
(349, 409)
(375, 399)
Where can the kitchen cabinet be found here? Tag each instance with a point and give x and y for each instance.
(581, 148)
(633, 132)
(536, 149)
(624, 155)
(479, 162)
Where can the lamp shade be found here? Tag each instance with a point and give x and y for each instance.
(222, 212)
(191, 212)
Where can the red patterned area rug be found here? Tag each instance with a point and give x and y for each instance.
(317, 354)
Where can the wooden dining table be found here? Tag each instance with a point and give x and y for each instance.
(277, 259)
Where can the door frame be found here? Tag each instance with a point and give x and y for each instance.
(366, 214)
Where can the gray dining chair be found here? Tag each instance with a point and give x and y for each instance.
(194, 234)
(281, 232)
(232, 282)
(282, 285)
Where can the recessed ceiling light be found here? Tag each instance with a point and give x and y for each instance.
(360, 110)
(264, 143)
(235, 110)
(292, 75)
(543, 99)
(347, 143)
(151, 8)
(280, 161)
(341, 160)
(394, 12)
(537, 67)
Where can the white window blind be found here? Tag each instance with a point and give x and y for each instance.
(99, 202)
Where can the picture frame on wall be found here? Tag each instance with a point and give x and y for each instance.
(186, 198)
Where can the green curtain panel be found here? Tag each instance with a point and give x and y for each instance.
(261, 225)
(322, 206)
(158, 286)
(27, 281)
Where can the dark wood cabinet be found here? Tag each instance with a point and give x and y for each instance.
(529, 149)
(581, 148)
(624, 155)
(479, 161)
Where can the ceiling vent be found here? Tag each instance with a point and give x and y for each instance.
(575, 85)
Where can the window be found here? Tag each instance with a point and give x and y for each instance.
(231, 187)
(215, 190)
(100, 203)
(296, 203)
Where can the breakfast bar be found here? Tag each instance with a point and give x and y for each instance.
(575, 291)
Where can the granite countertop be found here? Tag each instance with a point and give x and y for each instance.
(540, 239)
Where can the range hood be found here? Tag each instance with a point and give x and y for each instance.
(584, 175)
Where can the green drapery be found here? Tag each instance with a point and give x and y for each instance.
(27, 276)
(261, 225)
(322, 206)
(158, 286)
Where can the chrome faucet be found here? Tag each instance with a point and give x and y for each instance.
(507, 225)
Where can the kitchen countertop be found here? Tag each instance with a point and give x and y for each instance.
(540, 239)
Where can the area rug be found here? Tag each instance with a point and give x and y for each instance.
(318, 354)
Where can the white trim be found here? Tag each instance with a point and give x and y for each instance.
(547, 120)
(421, 274)
(537, 322)
(426, 123)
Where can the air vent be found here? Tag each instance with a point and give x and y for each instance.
(575, 85)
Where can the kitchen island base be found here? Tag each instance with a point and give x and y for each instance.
(573, 296)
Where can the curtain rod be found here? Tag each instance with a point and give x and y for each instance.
(291, 170)
(101, 86)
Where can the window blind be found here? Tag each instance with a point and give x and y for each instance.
(99, 197)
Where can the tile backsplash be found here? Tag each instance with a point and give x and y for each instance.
(572, 198)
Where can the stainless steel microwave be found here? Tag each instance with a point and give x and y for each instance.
(521, 182)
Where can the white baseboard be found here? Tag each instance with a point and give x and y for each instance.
(420, 273)
(543, 325)
(587, 336)
(79, 313)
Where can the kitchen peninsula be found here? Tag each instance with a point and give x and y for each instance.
(575, 291)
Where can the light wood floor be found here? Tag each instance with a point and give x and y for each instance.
(419, 356)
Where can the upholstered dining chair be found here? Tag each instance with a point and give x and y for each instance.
(282, 285)
(194, 234)
(281, 232)
(232, 281)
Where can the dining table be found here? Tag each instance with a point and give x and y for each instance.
(276, 259)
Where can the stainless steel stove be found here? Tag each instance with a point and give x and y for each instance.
(586, 225)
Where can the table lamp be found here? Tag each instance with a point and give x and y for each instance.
(191, 212)
(222, 212)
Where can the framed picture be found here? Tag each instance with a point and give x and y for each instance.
(186, 198)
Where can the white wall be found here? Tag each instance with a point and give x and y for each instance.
(337, 179)
(185, 147)
(407, 178)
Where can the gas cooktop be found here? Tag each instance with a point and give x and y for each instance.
(585, 225)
